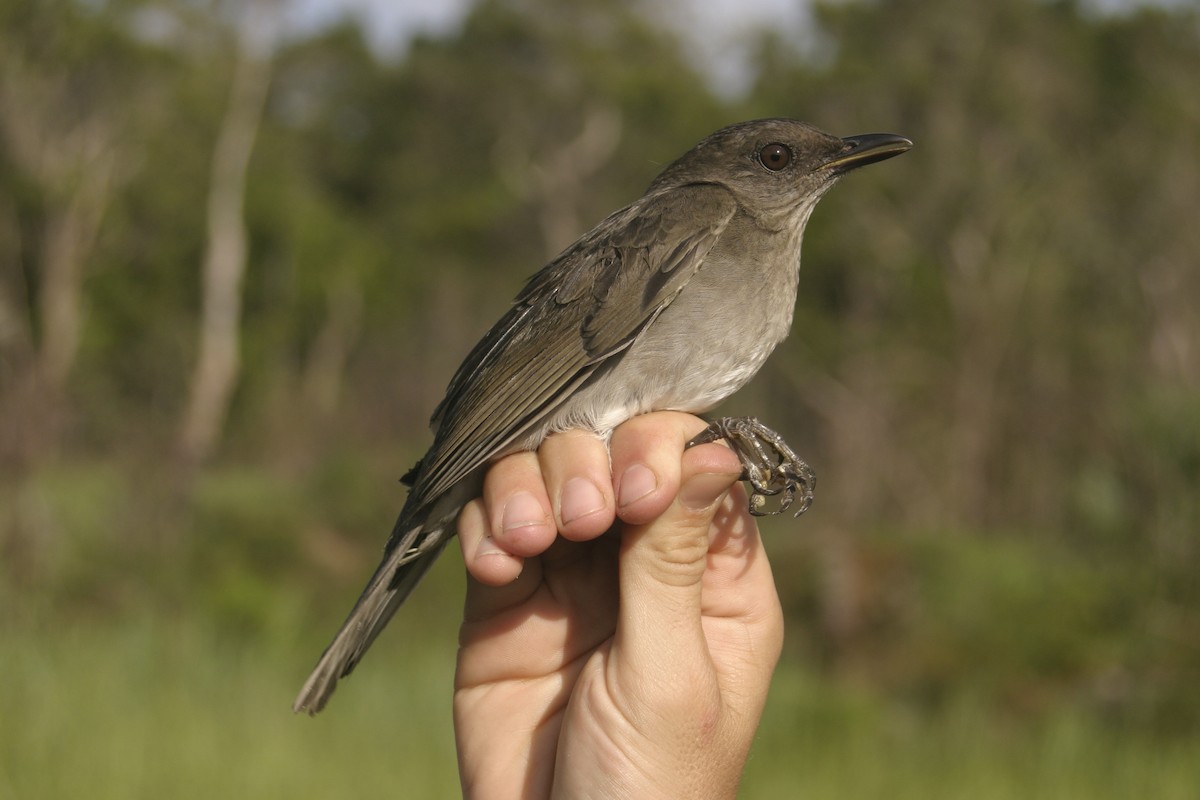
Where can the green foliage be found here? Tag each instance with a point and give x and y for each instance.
(148, 706)
(158, 707)
(993, 369)
(847, 741)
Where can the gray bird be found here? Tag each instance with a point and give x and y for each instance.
(672, 303)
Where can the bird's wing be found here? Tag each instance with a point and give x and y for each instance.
(584, 308)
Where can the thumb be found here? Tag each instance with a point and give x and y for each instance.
(662, 564)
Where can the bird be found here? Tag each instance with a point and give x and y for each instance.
(670, 303)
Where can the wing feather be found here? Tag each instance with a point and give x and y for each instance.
(585, 307)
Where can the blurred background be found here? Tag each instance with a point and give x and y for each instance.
(243, 247)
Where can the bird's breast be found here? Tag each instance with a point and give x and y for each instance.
(705, 345)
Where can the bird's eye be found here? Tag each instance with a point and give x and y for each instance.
(775, 156)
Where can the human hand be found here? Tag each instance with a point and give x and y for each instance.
(633, 664)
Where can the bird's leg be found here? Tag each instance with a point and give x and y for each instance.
(768, 464)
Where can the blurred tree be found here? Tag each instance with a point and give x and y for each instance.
(443, 180)
(313, 206)
(997, 332)
(219, 357)
(996, 222)
(992, 327)
(69, 84)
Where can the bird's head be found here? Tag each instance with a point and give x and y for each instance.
(777, 167)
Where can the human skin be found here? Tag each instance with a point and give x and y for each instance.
(630, 663)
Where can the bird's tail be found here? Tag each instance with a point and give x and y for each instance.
(403, 566)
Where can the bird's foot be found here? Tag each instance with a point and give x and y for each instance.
(768, 464)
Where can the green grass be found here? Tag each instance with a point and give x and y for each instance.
(138, 660)
(820, 741)
(161, 708)
(166, 706)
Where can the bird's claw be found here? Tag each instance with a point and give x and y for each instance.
(768, 464)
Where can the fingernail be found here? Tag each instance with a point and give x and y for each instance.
(637, 482)
(580, 498)
(703, 489)
(488, 547)
(521, 511)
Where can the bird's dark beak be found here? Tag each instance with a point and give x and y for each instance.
(867, 148)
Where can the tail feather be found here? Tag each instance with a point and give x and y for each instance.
(401, 570)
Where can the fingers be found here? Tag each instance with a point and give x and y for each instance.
(497, 536)
(740, 609)
(530, 498)
(646, 454)
(518, 511)
(578, 480)
(663, 562)
(569, 487)
(486, 561)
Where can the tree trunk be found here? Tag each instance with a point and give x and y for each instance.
(324, 371)
(70, 234)
(556, 179)
(218, 360)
